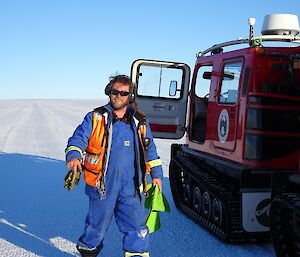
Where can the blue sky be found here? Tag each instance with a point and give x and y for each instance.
(70, 48)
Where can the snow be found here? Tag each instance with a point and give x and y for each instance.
(38, 217)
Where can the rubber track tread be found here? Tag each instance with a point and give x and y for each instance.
(219, 186)
(285, 224)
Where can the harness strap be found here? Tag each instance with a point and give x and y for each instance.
(140, 122)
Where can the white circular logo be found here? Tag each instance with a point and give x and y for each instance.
(223, 126)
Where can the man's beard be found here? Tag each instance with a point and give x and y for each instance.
(117, 104)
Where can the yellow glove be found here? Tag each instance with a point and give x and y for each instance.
(71, 180)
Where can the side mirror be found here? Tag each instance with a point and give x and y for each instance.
(207, 75)
(173, 88)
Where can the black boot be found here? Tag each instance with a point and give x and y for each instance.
(88, 252)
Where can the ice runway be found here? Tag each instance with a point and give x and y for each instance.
(40, 127)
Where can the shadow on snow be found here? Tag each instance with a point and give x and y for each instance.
(37, 214)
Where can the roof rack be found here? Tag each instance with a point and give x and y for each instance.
(256, 41)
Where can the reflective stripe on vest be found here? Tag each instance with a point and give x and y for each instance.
(91, 159)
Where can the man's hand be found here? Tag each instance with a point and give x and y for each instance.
(73, 176)
(74, 165)
(158, 182)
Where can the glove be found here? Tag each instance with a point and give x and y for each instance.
(71, 180)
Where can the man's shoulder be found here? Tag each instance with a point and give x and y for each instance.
(103, 109)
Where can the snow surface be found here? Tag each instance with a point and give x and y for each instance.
(38, 217)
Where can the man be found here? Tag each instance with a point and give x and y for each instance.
(119, 149)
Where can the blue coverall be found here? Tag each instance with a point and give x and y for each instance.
(121, 199)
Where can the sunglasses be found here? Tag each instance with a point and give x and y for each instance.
(121, 93)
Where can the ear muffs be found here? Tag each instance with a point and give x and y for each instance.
(132, 94)
(108, 88)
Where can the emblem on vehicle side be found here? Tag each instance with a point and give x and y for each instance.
(263, 212)
(223, 126)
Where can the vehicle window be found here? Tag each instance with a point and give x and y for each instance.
(202, 86)
(230, 82)
(156, 81)
(199, 104)
(281, 75)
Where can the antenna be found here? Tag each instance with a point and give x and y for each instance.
(251, 22)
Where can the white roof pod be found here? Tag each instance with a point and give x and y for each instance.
(280, 24)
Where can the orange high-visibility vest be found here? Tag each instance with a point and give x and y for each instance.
(96, 152)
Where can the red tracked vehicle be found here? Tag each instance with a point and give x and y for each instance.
(237, 175)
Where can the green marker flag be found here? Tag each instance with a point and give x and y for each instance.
(156, 202)
(153, 221)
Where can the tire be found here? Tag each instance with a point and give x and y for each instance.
(187, 189)
(217, 212)
(206, 205)
(196, 202)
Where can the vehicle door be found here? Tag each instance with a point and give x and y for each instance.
(162, 94)
(226, 109)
